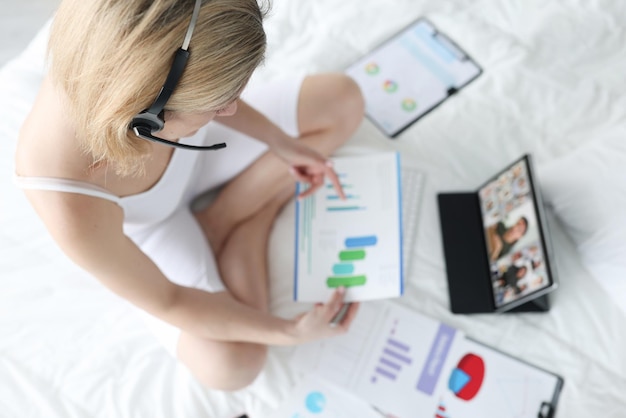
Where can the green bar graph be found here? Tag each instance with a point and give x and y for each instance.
(346, 281)
(351, 255)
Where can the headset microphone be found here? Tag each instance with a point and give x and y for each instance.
(144, 133)
(151, 120)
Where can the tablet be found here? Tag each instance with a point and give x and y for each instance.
(514, 228)
(410, 74)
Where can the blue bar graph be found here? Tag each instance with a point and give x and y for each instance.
(344, 208)
(336, 197)
(428, 37)
(444, 76)
(360, 242)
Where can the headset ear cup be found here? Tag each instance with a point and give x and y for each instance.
(148, 120)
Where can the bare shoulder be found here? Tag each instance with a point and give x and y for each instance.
(76, 220)
(47, 147)
(47, 144)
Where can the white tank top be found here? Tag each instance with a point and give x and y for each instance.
(146, 208)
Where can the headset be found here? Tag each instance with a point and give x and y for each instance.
(151, 120)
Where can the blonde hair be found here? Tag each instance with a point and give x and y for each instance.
(111, 58)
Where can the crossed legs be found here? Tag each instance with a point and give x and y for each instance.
(238, 224)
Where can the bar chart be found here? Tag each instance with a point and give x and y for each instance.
(355, 242)
(344, 270)
(352, 201)
(394, 357)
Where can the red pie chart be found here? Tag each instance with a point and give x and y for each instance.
(467, 378)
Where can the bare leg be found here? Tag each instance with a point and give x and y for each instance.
(243, 260)
(330, 108)
(243, 265)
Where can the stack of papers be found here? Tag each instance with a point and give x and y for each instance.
(403, 363)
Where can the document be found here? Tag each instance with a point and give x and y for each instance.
(314, 397)
(401, 362)
(354, 242)
(410, 74)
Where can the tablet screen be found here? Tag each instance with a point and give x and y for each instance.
(514, 235)
(410, 74)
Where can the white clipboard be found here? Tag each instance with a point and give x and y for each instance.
(410, 74)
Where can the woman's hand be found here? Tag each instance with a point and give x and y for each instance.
(317, 323)
(307, 166)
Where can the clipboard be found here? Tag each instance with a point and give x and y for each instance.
(410, 74)
(504, 373)
(401, 361)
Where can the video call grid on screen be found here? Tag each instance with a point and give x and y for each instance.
(516, 248)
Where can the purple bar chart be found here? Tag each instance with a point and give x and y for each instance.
(395, 356)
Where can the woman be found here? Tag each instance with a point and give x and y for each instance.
(501, 239)
(118, 203)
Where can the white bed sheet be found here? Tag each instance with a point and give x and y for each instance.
(554, 74)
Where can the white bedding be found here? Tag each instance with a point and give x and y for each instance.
(553, 80)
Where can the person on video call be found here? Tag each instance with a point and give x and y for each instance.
(501, 239)
(117, 200)
(512, 283)
(511, 276)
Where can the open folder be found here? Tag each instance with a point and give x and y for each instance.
(407, 365)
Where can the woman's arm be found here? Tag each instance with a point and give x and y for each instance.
(253, 123)
(306, 165)
(89, 231)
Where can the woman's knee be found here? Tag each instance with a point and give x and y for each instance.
(240, 265)
(244, 365)
(335, 99)
(348, 103)
(224, 366)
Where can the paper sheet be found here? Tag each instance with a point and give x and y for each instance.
(356, 242)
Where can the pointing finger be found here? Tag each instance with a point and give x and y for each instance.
(334, 179)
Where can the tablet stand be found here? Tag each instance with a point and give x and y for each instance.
(469, 277)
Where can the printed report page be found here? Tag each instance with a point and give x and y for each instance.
(354, 242)
(396, 359)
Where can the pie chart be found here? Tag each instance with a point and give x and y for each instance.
(315, 402)
(467, 377)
